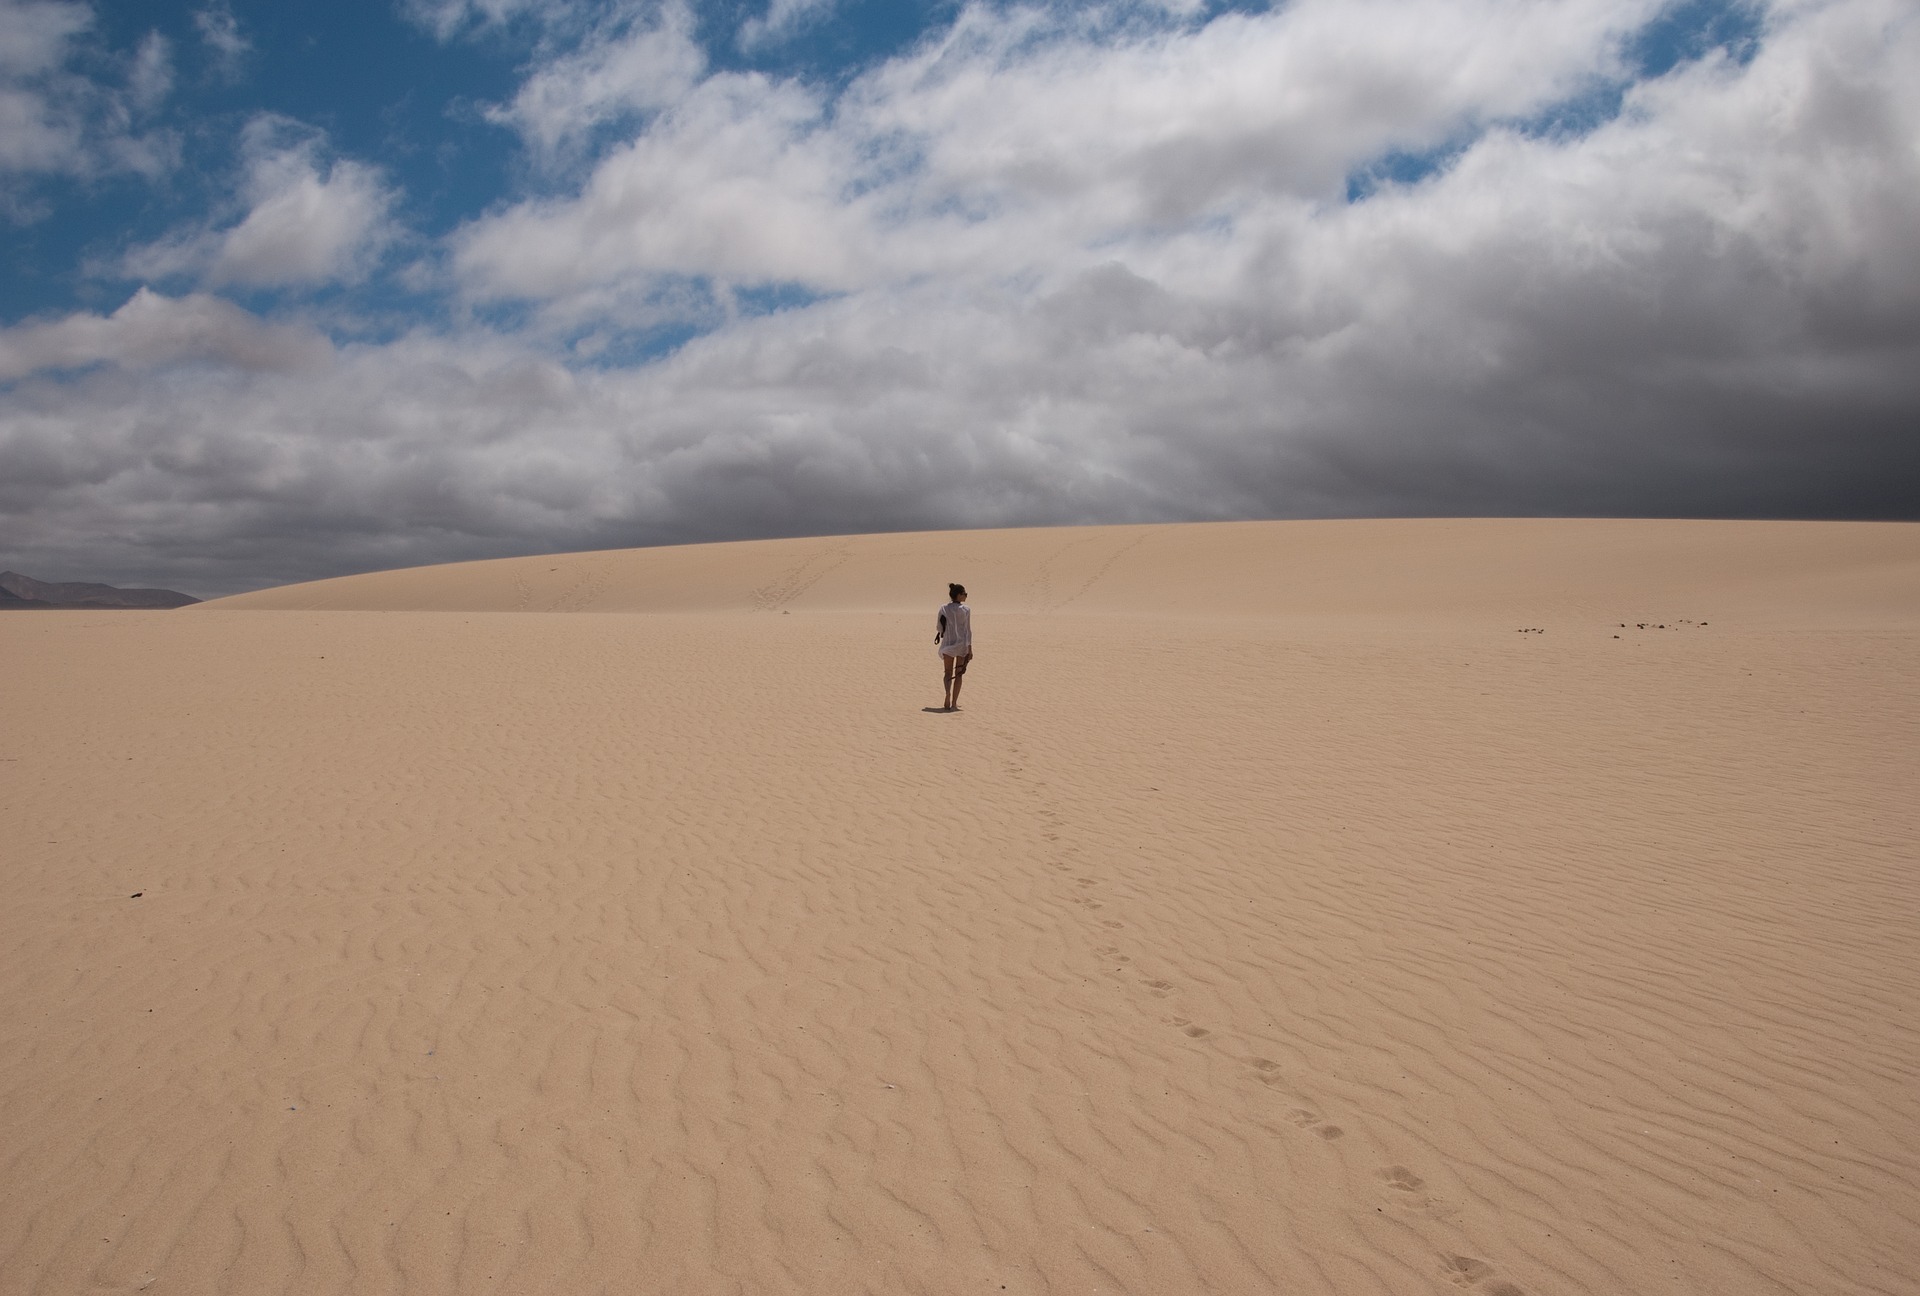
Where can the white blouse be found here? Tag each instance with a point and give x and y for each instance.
(958, 639)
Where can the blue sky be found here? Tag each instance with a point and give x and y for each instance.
(302, 288)
(381, 86)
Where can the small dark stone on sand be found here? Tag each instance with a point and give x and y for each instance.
(136, 895)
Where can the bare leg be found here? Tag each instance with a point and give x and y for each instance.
(947, 679)
(959, 677)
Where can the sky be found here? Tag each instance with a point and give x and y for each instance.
(298, 288)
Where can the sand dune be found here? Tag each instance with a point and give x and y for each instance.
(1342, 568)
(1343, 907)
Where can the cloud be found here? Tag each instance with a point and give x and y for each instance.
(56, 121)
(448, 19)
(733, 182)
(151, 79)
(303, 225)
(782, 19)
(445, 17)
(38, 131)
(220, 32)
(34, 34)
(152, 331)
(636, 64)
(1021, 138)
(236, 463)
(1049, 269)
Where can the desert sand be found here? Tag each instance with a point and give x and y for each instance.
(1303, 907)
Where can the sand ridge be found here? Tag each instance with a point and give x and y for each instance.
(1589, 568)
(1371, 947)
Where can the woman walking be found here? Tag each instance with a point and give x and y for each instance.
(954, 635)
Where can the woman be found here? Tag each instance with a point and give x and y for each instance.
(954, 635)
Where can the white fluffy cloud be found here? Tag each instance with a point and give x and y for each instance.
(1017, 143)
(640, 63)
(736, 183)
(306, 222)
(37, 130)
(781, 20)
(1070, 269)
(57, 121)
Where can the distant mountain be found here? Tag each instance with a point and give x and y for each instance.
(17, 591)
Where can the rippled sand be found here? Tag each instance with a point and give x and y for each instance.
(1321, 907)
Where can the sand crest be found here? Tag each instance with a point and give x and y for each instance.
(1335, 907)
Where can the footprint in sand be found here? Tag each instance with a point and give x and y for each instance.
(1160, 988)
(1188, 1029)
(1114, 925)
(1404, 1192)
(1310, 1121)
(1466, 1271)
